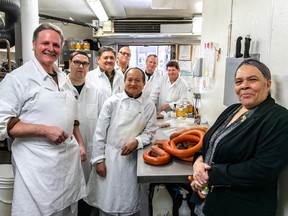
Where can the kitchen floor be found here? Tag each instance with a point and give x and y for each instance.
(5, 155)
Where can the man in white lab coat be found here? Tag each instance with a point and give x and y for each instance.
(169, 89)
(151, 75)
(126, 123)
(105, 77)
(38, 109)
(90, 101)
(123, 58)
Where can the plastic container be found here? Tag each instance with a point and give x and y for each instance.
(85, 46)
(77, 45)
(184, 209)
(6, 189)
(162, 203)
(173, 112)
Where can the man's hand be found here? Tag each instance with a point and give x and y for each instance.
(101, 169)
(129, 147)
(55, 134)
(164, 107)
(83, 153)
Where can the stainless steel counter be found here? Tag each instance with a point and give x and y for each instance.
(176, 171)
(173, 172)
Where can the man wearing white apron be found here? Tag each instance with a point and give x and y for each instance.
(38, 109)
(169, 89)
(105, 77)
(151, 74)
(126, 123)
(90, 102)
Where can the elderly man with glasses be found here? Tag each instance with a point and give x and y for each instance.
(123, 57)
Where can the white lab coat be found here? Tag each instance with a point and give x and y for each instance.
(121, 120)
(119, 70)
(165, 92)
(151, 82)
(90, 102)
(99, 80)
(48, 177)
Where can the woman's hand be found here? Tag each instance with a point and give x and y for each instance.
(129, 147)
(200, 174)
(101, 169)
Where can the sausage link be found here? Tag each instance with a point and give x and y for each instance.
(149, 157)
(181, 131)
(183, 153)
(158, 151)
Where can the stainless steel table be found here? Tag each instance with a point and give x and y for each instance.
(176, 171)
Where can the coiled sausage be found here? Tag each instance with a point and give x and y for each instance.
(156, 155)
(193, 135)
(181, 131)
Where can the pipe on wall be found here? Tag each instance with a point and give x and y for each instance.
(8, 52)
(11, 8)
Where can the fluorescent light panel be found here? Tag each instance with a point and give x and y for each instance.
(98, 10)
(168, 4)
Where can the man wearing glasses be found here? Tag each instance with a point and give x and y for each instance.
(78, 66)
(90, 101)
(123, 57)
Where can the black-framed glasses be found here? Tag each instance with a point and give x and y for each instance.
(125, 54)
(78, 63)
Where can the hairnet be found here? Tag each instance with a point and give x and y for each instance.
(262, 67)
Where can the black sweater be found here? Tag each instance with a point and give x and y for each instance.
(247, 162)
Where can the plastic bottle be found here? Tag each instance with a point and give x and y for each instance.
(205, 190)
(162, 203)
(184, 209)
(173, 112)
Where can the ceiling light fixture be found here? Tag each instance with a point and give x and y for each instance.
(98, 10)
(168, 4)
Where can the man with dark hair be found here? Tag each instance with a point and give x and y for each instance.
(90, 101)
(105, 77)
(170, 88)
(126, 123)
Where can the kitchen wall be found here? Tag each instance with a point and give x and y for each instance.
(265, 22)
(69, 31)
(75, 31)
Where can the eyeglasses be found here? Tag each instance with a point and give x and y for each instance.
(125, 54)
(78, 63)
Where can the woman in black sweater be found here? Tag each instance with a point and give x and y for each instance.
(244, 151)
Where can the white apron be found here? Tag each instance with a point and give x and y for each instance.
(48, 177)
(118, 192)
(88, 110)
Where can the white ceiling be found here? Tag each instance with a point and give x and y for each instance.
(79, 9)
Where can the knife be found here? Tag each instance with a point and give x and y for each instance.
(247, 46)
(238, 47)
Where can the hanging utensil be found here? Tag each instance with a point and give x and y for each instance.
(247, 46)
(238, 47)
